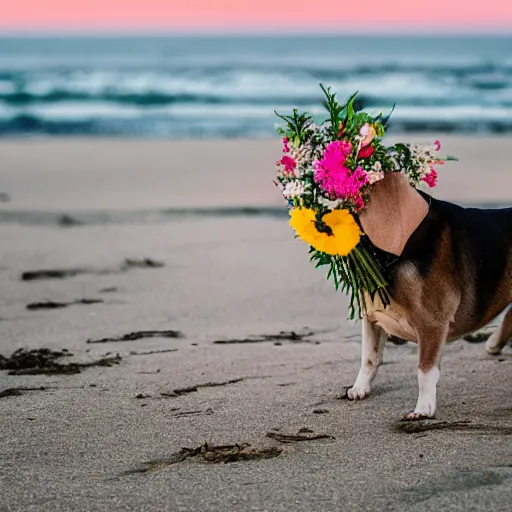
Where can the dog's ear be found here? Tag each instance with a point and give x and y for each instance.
(394, 210)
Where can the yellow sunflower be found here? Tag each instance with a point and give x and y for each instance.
(337, 233)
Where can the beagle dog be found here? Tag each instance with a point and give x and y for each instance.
(449, 271)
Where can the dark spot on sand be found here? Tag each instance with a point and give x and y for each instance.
(168, 394)
(33, 275)
(19, 391)
(295, 438)
(210, 454)
(110, 289)
(306, 430)
(321, 411)
(291, 336)
(142, 396)
(125, 266)
(43, 361)
(194, 389)
(36, 358)
(4, 198)
(186, 413)
(139, 335)
(150, 373)
(143, 263)
(150, 352)
(67, 221)
(49, 304)
(415, 427)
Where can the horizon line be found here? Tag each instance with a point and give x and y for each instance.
(153, 33)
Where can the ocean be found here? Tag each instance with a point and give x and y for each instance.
(228, 87)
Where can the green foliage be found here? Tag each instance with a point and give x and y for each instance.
(354, 274)
(385, 120)
(342, 116)
(297, 125)
(335, 110)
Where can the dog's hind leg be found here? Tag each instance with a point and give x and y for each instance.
(372, 347)
(501, 335)
(431, 343)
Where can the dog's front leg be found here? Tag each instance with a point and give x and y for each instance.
(431, 346)
(372, 347)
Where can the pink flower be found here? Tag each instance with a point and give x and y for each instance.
(345, 147)
(431, 178)
(366, 152)
(437, 145)
(337, 180)
(286, 149)
(288, 163)
(359, 203)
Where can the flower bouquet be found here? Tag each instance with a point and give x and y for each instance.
(326, 173)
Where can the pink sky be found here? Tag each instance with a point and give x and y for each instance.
(237, 15)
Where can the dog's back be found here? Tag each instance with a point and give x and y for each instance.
(475, 246)
(503, 218)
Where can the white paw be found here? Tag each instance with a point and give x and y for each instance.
(418, 415)
(493, 346)
(358, 391)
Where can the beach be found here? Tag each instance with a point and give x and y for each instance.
(249, 343)
(112, 174)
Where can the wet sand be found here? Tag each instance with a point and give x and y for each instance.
(106, 438)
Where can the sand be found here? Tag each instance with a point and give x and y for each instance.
(80, 444)
(114, 174)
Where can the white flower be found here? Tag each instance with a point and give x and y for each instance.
(293, 189)
(377, 166)
(395, 163)
(375, 176)
(303, 158)
(328, 203)
(422, 154)
(424, 169)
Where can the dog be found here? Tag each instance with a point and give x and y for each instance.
(449, 271)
